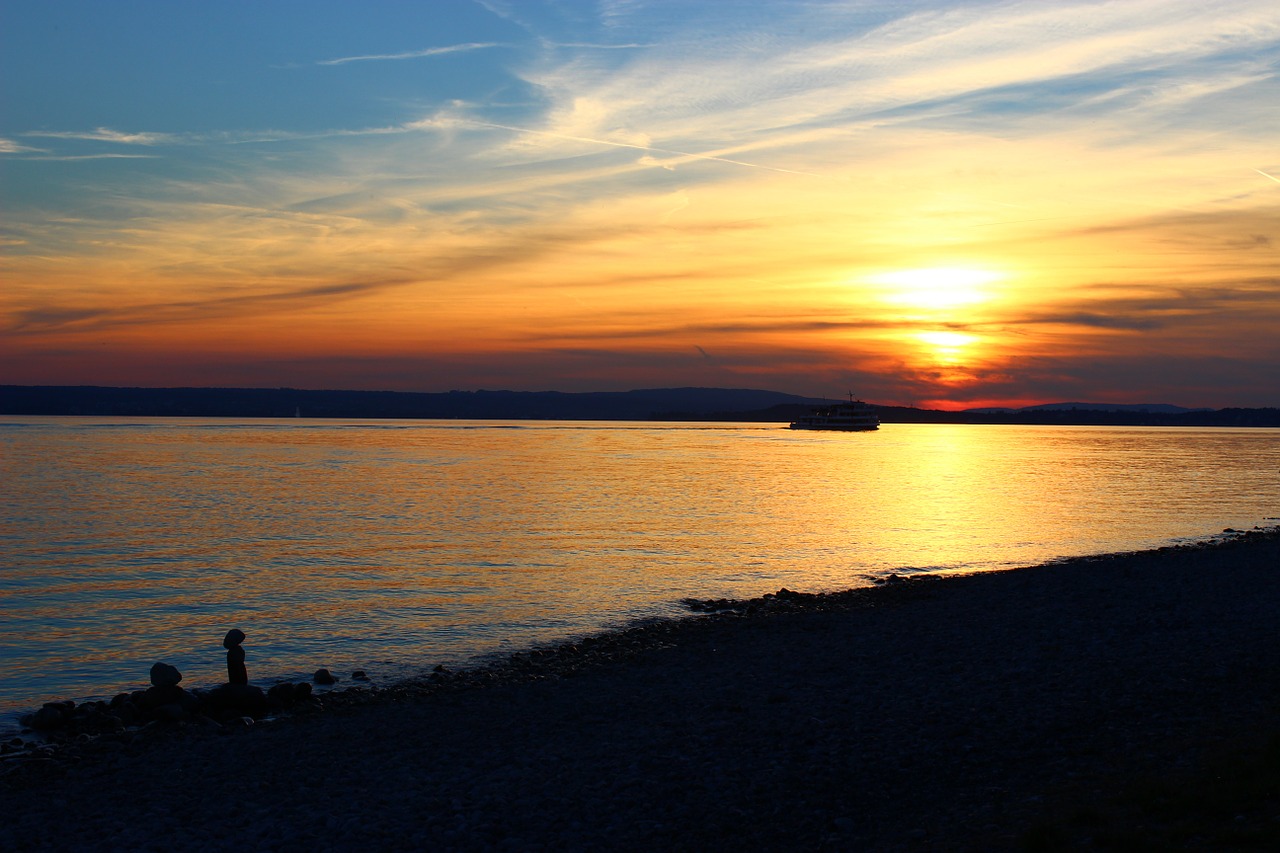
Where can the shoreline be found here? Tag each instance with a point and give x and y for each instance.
(929, 709)
(487, 663)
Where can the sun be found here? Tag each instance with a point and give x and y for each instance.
(937, 288)
(946, 348)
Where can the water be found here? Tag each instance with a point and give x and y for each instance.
(392, 546)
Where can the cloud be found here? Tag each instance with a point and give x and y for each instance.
(73, 157)
(592, 46)
(43, 319)
(686, 155)
(104, 134)
(760, 84)
(1098, 320)
(9, 146)
(413, 54)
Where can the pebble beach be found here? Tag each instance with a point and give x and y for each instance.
(978, 712)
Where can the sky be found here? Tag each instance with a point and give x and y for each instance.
(941, 204)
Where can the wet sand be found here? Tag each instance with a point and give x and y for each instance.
(945, 714)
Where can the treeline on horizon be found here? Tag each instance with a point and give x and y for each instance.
(675, 404)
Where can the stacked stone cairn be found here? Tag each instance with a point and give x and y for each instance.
(235, 703)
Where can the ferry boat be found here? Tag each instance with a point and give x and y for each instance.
(853, 416)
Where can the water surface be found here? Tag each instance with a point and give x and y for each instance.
(391, 546)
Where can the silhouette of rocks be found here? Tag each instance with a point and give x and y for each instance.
(359, 675)
(323, 676)
(170, 703)
(237, 700)
(50, 716)
(164, 675)
(281, 697)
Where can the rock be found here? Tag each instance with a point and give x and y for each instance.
(127, 712)
(301, 691)
(106, 723)
(323, 676)
(171, 713)
(49, 717)
(359, 675)
(282, 696)
(158, 696)
(164, 675)
(237, 700)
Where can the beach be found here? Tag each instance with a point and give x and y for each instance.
(990, 711)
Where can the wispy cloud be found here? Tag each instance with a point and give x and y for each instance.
(688, 155)
(777, 83)
(412, 54)
(73, 157)
(9, 146)
(594, 46)
(106, 134)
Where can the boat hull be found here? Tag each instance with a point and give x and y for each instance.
(837, 427)
(853, 416)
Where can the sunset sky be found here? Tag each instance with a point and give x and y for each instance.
(933, 203)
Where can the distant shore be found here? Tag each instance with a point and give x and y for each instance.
(659, 404)
(973, 712)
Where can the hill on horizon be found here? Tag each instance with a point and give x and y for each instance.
(652, 404)
(1160, 408)
(482, 404)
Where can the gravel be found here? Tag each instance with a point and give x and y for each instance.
(928, 713)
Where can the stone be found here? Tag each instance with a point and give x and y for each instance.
(323, 676)
(359, 675)
(49, 717)
(301, 691)
(164, 675)
(236, 672)
(282, 696)
(107, 722)
(171, 713)
(159, 695)
(237, 700)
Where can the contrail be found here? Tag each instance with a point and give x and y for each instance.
(413, 54)
(637, 147)
(1265, 175)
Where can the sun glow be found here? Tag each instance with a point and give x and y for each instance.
(946, 347)
(937, 288)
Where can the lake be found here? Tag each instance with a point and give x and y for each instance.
(392, 546)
